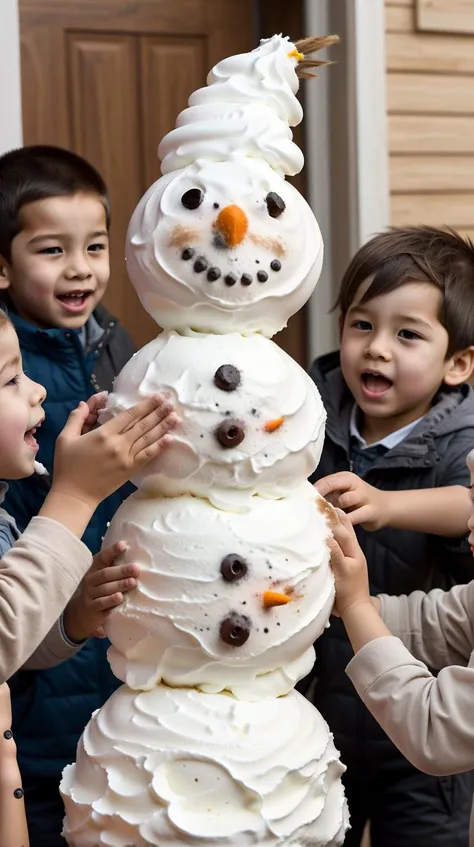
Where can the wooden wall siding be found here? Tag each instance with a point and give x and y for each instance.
(430, 96)
(445, 15)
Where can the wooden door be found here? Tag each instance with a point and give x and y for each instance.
(107, 78)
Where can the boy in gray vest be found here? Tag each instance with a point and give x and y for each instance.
(400, 417)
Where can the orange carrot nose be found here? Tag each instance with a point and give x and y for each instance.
(274, 598)
(232, 223)
(271, 426)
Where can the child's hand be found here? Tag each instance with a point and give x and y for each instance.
(365, 504)
(88, 467)
(101, 591)
(95, 403)
(349, 566)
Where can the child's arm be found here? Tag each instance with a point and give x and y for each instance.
(41, 572)
(13, 827)
(101, 590)
(428, 718)
(435, 511)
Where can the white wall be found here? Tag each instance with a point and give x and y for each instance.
(10, 90)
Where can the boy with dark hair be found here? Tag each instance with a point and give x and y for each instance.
(54, 270)
(400, 416)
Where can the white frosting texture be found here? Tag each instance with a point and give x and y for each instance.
(177, 767)
(245, 111)
(271, 387)
(169, 628)
(163, 232)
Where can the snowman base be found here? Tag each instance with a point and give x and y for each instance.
(177, 766)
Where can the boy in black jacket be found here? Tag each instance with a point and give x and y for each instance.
(400, 416)
(54, 270)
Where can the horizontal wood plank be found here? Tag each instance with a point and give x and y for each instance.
(454, 210)
(399, 19)
(430, 134)
(431, 173)
(418, 93)
(445, 16)
(399, 2)
(432, 53)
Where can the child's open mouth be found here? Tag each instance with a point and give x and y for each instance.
(375, 384)
(74, 301)
(30, 439)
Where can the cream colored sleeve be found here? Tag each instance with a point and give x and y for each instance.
(38, 576)
(438, 627)
(54, 649)
(428, 718)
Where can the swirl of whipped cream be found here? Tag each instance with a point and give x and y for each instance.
(275, 403)
(173, 767)
(170, 627)
(246, 110)
(171, 250)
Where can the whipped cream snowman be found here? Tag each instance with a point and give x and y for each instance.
(231, 540)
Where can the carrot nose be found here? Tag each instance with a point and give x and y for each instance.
(232, 223)
(272, 426)
(274, 598)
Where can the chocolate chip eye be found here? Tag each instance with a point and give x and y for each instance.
(233, 567)
(192, 199)
(275, 205)
(235, 629)
(227, 378)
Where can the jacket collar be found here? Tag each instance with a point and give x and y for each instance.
(451, 410)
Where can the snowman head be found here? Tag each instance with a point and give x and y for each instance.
(222, 242)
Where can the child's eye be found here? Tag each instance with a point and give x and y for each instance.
(409, 335)
(364, 326)
(14, 380)
(96, 248)
(51, 251)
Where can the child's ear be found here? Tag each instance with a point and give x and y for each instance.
(460, 367)
(4, 274)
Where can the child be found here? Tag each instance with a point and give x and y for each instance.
(54, 271)
(42, 570)
(400, 416)
(428, 718)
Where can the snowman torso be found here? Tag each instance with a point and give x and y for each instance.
(252, 419)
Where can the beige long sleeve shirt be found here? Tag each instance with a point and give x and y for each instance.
(430, 719)
(38, 576)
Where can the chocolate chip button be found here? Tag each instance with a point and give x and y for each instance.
(187, 254)
(275, 265)
(227, 378)
(200, 264)
(8, 734)
(213, 274)
(18, 792)
(235, 629)
(262, 276)
(230, 433)
(230, 279)
(233, 567)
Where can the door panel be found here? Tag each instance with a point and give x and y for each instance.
(107, 78)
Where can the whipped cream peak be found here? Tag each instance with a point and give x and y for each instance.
(245, 111)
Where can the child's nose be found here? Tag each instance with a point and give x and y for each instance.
(37, 394)
(378, 348)
(79, 267)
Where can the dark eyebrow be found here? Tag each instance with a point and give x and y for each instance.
(411, 319)
(99, 234)
(11, 362)
(55, 236)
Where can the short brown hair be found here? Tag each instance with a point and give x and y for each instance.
(37, 173)
(402, 255)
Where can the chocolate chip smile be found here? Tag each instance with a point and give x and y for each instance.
(214, 273)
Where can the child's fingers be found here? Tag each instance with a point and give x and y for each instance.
(108, 555)
(349, 499)
(335, 482)
(344, 535)
(108, 587)
(337, 556)
(103, 604)
(154, 442)
(138, 415)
